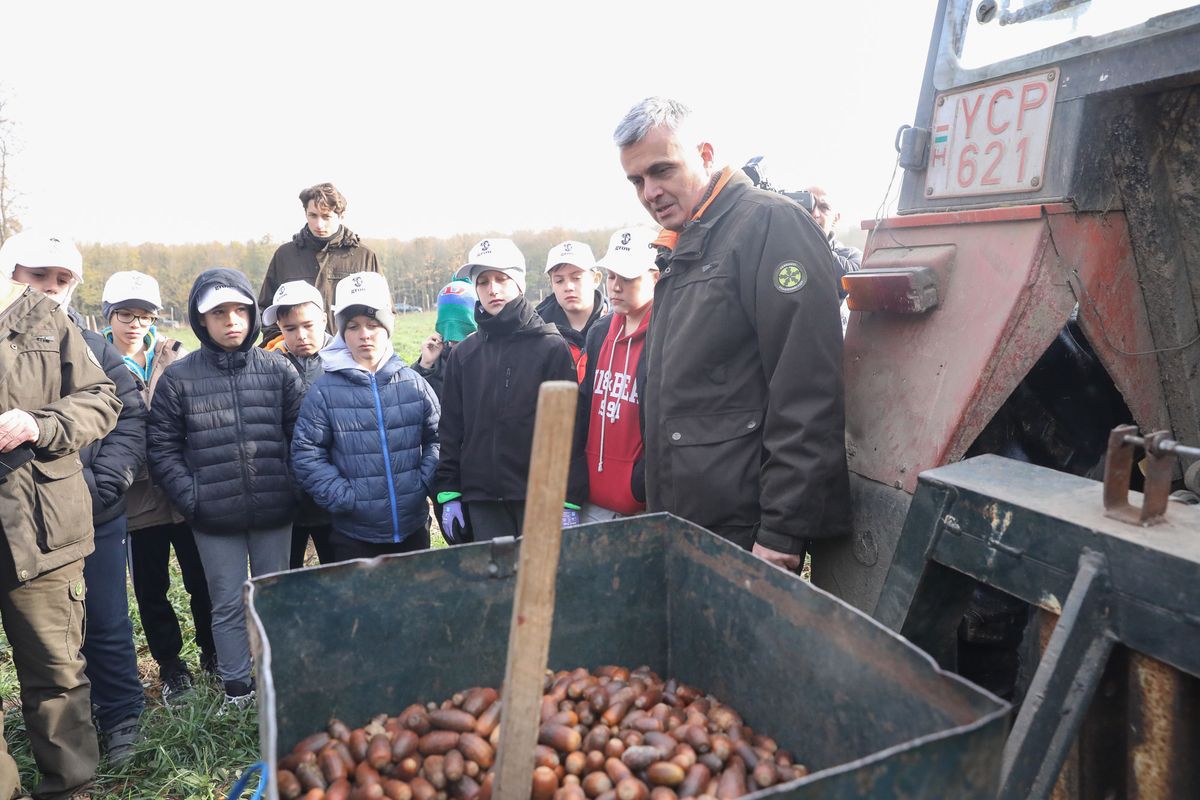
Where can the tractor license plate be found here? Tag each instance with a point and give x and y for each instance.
(992, 139)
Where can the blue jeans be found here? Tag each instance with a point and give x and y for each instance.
(108, 639)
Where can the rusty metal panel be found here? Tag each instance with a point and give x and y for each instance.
(1095, 253)
(920, 389)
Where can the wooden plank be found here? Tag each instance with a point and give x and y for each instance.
(533, 603)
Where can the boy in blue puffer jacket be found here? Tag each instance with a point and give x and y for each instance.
(366, 442)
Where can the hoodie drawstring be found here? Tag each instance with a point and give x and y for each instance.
(604, 399)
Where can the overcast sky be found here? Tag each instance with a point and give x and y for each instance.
(153, 121)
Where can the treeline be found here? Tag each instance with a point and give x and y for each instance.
(416, 269)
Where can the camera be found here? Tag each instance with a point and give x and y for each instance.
(804, 198)
(754, 170)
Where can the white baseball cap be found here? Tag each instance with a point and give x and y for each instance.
(216, 295)
(631, 252)
(30, 249)
(368, 289)
(292, 293)
(125, 287)
(576, 254)
(497, 254)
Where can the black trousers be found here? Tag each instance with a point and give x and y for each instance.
(344, 548)
(320, 537)
(150, 555)
(491, 519)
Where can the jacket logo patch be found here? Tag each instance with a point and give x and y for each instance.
(790, 277)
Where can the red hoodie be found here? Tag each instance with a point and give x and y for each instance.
(614, 433)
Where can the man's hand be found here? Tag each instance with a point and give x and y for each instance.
(431, 350)
(16, 428)
(785, 560)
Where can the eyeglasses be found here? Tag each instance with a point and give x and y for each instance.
(128, 318)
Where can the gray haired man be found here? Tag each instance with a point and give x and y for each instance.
(743, 397)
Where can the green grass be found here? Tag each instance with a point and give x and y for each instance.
(193, 751)
(410, 331)
(190, 752)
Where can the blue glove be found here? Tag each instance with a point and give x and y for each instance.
(451, 514)
(570, 517)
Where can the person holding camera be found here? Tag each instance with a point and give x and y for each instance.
(55, 400)
(845, 258)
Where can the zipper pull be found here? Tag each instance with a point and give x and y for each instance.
(507, 375)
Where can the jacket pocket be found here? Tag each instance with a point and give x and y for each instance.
(63, 504)
(716, 461)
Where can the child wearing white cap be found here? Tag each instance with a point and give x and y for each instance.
(131, 302)
(576, 302)
(489, 397)
(220, 428)
(54, 400)
(298, 309)
(366, 442)
(53, 265)
(610, 395)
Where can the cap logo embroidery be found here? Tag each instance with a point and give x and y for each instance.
(625, 237)
(485, 247)
(358, 281)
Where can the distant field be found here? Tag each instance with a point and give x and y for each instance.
(411, 330)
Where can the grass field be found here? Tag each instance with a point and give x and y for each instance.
(411, 330)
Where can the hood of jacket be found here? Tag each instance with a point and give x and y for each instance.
(344, 237)
(221, 276)
(336, 357)
(516, 318)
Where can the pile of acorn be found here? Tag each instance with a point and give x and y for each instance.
(612, 734)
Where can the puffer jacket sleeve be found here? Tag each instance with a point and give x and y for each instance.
(166, 440)
(430, 449)
(312, 443)
(448, 477)
(119, 457)
(293, 396)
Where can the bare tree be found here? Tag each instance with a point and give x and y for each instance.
(9, 224)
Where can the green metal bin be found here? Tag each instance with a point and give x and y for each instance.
(868, 713)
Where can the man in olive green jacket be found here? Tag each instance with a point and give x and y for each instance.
(54, 399)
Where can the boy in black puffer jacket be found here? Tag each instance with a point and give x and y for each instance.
(220, 429)
(489, 400)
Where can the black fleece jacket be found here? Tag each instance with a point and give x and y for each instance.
(489, 399)
(111, 464)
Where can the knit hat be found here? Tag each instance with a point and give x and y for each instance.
(29, 249)
(363, 293)
(129, 290)
(500, 255)
(456, 310)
